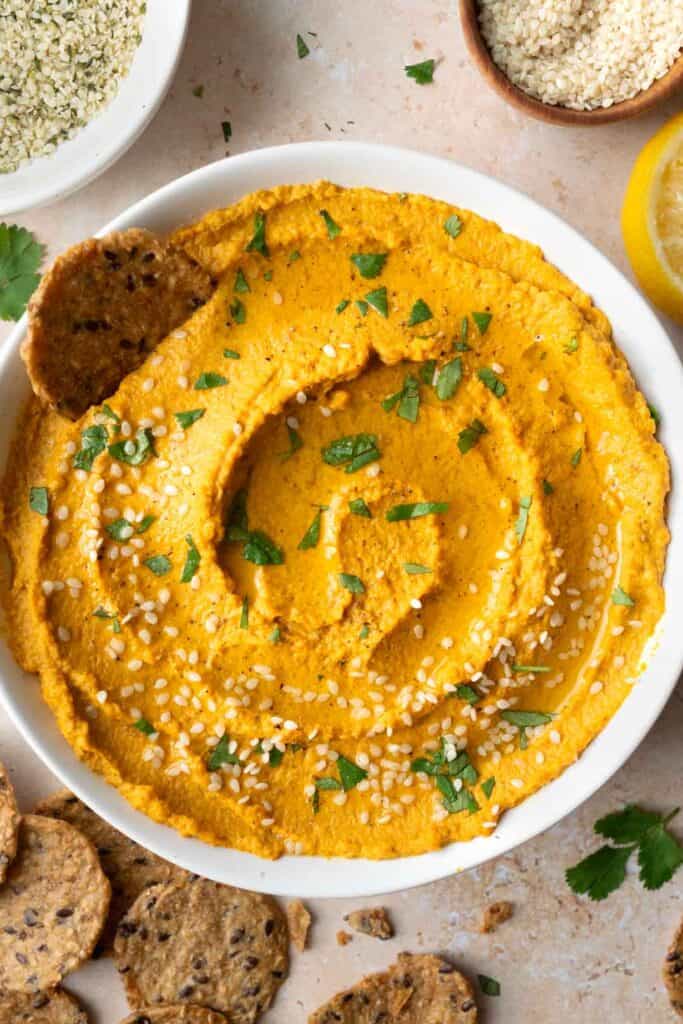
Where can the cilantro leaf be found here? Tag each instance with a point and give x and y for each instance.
(523, 517)
(416, 510)
(295, 442)
(145, 727)
(244, 616)
(469, 436)
(20, 257)
(186, 419)
(259, 549)
(351, 583)
(450, 376)
(576, 457)
(312, 535)
(238, 311)
(467, 693)
(488, 786)
(416, 569)
(241, 284)
(420, 313)
(206, 381)
(601, 872)
(619, 596)
(301, 49)
(120, 529)
(159, 564)
(258, 239)
(350, 773)
(39, 500)
(369, 264)
(341, 306)
(422, 73)
(93, 442)
(627, 826)
(453, 225)
(134, 451)
(379, 301)
(238, 520)
(352, 452)
(333, 228)
(659, 856)
(192, 560)
(489, 986)
(221, 755)
(359, 507)
(227, 130)
(482, 320)
(492, 381)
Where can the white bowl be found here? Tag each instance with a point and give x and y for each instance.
(660, 375)
(107, 137)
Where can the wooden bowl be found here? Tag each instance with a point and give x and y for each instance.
(499, 81)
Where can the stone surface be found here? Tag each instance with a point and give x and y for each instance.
(560, 957)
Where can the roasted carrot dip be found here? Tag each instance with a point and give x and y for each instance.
(363, 554)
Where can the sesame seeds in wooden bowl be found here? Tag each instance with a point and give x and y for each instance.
(586, 81)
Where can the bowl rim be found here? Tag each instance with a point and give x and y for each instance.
(657, 92)
(391, 169)
(96, 146)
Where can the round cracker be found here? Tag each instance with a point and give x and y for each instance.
(100, 309)
(177, 1014)
(673, 971)
(53, 906)
(422, 989)
(203, 943)
(57, 1007)
(129, 867)
(9, 822)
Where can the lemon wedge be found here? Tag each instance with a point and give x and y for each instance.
(652, 219)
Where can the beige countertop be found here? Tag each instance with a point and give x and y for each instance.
(560, 957)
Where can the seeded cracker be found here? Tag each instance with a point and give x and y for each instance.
(9, 822)
(374, 921)
(129, 867)
(203, 943)
(57, 1007)
(176, 1015)
(103, 306)
(422, 989)
(53, 906)
(673, 971)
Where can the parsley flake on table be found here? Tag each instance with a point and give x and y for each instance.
(659, 853)
(482, 320)
(186, 419)
(93, 442)
(39, 500)
(302, 49)
(351, 583)
(492, 381)
(523, 517)
(469, 436)
(422, 73)
(208, 380)
(489, 986)
(407, 400)
(453, 225)
(295, 443)
(369, 264)
(619, 596)
(378, 301)
(134, 451)
(333, 228)
(359, 507)
(450, 376)
(198, 91)
(420, 313)
(192, 560)
(258, 239)
(416, 510)
(159, 564)
(312, 535)
(20, 257)
(241, 284)
(227, 130)
(352, 452)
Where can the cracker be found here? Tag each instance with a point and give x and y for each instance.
(100, 309)
(374, 921)
(423, 989)
(53, 906)
(177, 1014)
(673, 972)
(494, 915)
(129, 867)
(203, 943)
(9, 822)
(299, 922)
(56, 1007)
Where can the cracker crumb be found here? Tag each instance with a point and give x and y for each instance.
(494, 915)
(343, 938)
(299, 921)
(374, 921)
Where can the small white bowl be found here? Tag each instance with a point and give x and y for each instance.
(107, 137)
(658, 372)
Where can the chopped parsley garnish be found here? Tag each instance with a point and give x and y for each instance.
(352, 452)
(362, 306)
(492, 381)
(526, 719)
(227, 130)
(369, 264)
(489, 986)
(450, 376)
(548, 487)
(261, 550)
(467, 693)
(159, 564)
(238, 311)
(275, 635)
(186, 419)
(120, 529)
(134, 451)
(145, 727)
(244, 617)
(144, 524)
(258, 239)
(453, 225)
(420, 313)
(107, 411)
(416, 510)
(619, 596)
(523, 517)
(230, 353)
(241, 284)
(39, 500)
(333, 228)
(275, 756)
(469, 436)
(482, 320)
(294, 256)
(351, 583)
(407, 400)
(238, 520)
(422, 73)
(102, 613)
(443, 770)
(341, 306)
(460, 345)
(488, 786)
(20, 257)
(295, 442)
(221, 755)
(206, 381)
(659, 853)
(359, 507)
(301, 49)
(192, 560)
(93, 442)
(571, 346)
(654, 412)
(350, 773)
(365, 632)
(576, 457)
(416, 569)
(312, 535)
(379, 302)
(427, 371)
